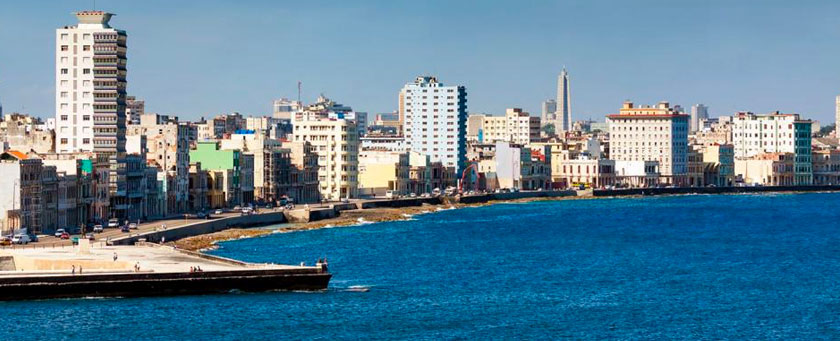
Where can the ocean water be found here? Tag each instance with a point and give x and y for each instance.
(684, 267)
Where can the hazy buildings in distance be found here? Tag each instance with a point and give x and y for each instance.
(699, 112)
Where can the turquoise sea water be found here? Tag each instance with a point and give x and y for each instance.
(731, 266)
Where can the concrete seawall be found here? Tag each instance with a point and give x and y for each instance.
(204, 227)
(711, 190)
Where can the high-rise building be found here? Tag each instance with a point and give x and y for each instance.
(336, 141)
(434, 120)
(90, 76)
(699, 112)
(647, 133)
(563, 115)
(549, 107)
(837, 116)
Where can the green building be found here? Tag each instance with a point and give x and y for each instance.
(221, 164)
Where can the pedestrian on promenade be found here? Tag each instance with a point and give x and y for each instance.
(137, 267)
(74, 269)
(115, 256)
(80, 269)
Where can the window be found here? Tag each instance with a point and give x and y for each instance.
(63, 71)
(64, 94)
(86, 48)
(86, 141)
(86, 71)
(86, 36)
(86, 118)
(64, 117)
(65, 47)
(64, 140)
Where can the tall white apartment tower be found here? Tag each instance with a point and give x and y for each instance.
(434, 120)
(90, 86)
(699, 112)
(564, 103)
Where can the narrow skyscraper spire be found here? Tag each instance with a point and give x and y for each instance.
(564, 103)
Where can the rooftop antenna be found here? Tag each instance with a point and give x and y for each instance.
(299, 91)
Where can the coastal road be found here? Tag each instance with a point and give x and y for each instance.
(51, 241)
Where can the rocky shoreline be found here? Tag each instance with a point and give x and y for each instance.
(346, 218)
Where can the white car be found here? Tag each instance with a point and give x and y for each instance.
(219, 212)
(59, 232)
(132, 226)
(113, 223)
(21, 239)
(98, 228)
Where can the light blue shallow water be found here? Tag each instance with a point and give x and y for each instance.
(740, 266)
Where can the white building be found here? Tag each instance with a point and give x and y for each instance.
(434, 120)
(336, 141)
(754, 135)
(134, 109)
(516, 126)
(563, 115)
(383, 142)
(699, 112)
(90, 76)
(647, 133)
(836, 116)
(285, 109)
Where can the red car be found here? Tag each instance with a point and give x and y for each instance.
(65, 235)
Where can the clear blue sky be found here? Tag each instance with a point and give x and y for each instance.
(200, 58)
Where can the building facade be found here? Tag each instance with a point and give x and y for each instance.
(515, 126)
(754, 135)
(90, 94)
(647, 133)
(434, 120)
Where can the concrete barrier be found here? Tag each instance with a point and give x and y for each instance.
(204, 227)
(710, 190)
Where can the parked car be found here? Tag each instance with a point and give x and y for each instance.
(75, 240)
(65, 235)
(125, 228)
(90, 237)
(113, 223)
(98, 228)
(219, 211)
(59, 232)
(133, 226)
(33, 238)
(20, 239)
(201, 215)
(5, 241)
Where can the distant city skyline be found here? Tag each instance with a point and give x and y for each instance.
(194, 59)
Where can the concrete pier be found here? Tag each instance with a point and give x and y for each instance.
(142, 270)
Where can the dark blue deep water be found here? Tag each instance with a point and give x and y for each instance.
(731, 266)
